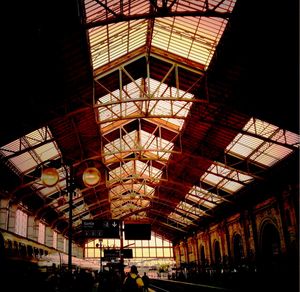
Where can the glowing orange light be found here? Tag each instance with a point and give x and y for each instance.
(91, 177)
(50, 176)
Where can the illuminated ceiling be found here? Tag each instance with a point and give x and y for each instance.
(149, 102)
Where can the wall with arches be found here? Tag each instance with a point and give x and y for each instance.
(261, 235)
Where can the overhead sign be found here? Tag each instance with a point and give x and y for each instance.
(101, 228)
(112, 253)
(137, 231)
(127, 253)
(116, 253)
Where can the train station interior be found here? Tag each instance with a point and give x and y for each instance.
(176, 118)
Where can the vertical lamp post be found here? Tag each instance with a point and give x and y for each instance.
(121, 246)
(100, 246)
(91, 178)
(70, 190)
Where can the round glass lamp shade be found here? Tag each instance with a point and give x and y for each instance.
(91, 177)
(50, 176)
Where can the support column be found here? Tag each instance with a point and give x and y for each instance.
(71, 191)
(244, 222)
(121, 229)
(227, 240)
(197, 258)
(33, 228)
(257, 255)
(210, 249)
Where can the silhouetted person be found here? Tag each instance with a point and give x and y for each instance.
(133, 282)
(146, 281)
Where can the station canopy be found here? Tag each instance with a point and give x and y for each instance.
(146, 92)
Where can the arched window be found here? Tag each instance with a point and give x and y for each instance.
(270, 247)
(217, 252)
(202, 255)
(238, 248)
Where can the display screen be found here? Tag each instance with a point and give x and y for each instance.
(137, 231)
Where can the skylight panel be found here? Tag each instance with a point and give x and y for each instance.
(170, 108)
(244, 145)
(27, 161)
(47, 152)
(203, 197)
(224, 178)
(162, 101)
(187, 5)
(180, 219)
(122, 207)
(137, 35)
(135, 169)
(121, 147)
(267, 150)
(159, 147)
(111, 41)
(186, 213)
(189, 210)
(193, 38)
(24, 162)
(117, 104)
(140, 141)
(131, 191)
(148, 170)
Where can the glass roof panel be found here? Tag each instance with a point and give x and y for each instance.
(24, 162)
(189, 210)
(180, 219)
(121, 207)
(111, 41)
(131, 191)
(264, 151)
(134, 169)
(192, 37)
(96, 12)
(27, 161)
(188, 5)
(224, 178)
(137, 141)
(203, 197)
(186, 212)
(117, 105)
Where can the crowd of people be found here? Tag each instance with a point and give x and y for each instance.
(112, 279)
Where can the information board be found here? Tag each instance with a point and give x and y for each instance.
(99, 228)
(116, 253)
(137, 231)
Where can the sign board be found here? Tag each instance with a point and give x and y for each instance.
(101, 228)
(127, 253)
(116, 253)
(137, 231)
(112, 253)
(109, 260)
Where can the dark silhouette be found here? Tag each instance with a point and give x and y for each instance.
(133, 282)
(146, 281)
